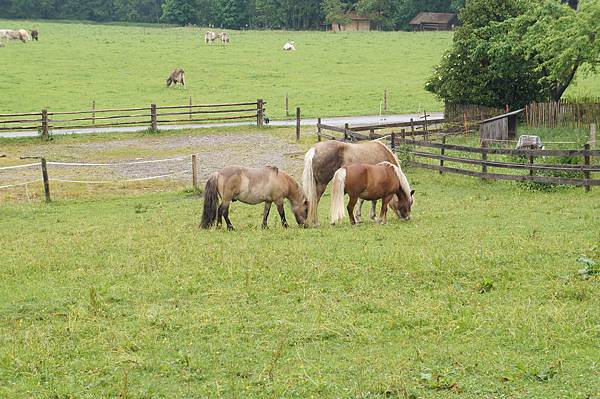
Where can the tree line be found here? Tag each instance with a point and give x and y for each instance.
(232, 14)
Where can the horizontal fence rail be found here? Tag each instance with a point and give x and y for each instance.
(585, 169)
(153, 116)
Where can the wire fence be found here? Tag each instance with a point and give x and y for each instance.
(18, 176)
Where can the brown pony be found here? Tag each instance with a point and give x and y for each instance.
(251, 186)
(370, 182)
(177, 76)
(323, 159)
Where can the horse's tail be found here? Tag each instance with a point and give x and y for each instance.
(211, 200)
(337, 196)
(310, 186)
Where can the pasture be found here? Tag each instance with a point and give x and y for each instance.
(477, 296)
(331, 74)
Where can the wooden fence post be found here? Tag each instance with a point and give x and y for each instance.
(465, 123)
(531, 159)
(195, 171)
(287, 105)
(318, 129)
(45, 124)
(298, 123)
(94, 112)
(586, 162)
(393, 138)
(412, 126)
(385, 100)
(442, 152)
(483, 158)
(593, 135)
(260, 112)
(45, 179)
(153, 118)
(403, 134)
(190, 107)
(346, 127)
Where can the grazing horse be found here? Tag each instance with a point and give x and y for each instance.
(251, 186)
(370, 182)
(35, 35)
(177, 76)
(9, 34)
(289, 46)
(224, 37)
(323, 159)
(210, 37)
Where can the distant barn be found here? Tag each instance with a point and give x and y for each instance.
(357, 23)
(434, 21)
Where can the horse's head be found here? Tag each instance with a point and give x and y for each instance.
(401, 204)
(300, 210)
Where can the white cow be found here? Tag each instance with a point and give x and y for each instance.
(209, 37)
(289, 46)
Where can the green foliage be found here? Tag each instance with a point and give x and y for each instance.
(335, 12)
(180, 12)
(517, 51)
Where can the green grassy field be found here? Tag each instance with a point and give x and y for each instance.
(477, 297)
(123, 66)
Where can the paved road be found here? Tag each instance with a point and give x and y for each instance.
(337, 121)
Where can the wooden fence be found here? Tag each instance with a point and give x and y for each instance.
(585, 169)
(425, 128)
(563, 114)
(153, 116)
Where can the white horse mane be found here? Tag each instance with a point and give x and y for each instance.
(401, 177)
(390, 151)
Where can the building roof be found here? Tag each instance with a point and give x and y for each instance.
(353, 15)
(503, 116)
(432, 18)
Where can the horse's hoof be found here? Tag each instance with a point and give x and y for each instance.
(230, 228)
(265, 227)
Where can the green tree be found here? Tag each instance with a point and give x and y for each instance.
(517, 51)
(335, 12)
(180, 12)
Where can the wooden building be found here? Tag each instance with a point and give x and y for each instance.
(357, 23)
(501, 127)
(434, 21)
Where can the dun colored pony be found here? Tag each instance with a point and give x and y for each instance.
(177, 76)
(323, 159)
(370, 182)
(251, 186)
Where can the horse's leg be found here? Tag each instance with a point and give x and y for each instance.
(373, 214)
(384, 207)
(266, 214)
(358, 212)
(351, 205)
(219, 216)
(320, 190)
(225, 210)
(281, 211)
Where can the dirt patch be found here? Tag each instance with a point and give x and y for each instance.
(214, 152)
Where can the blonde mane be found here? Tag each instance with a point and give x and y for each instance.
(394, 157)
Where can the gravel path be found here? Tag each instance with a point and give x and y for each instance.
(214, 152)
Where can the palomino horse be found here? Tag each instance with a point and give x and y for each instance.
(323, 159)
(176, 76)
(370, 182)
(251, 186)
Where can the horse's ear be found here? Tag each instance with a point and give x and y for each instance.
(412, 192)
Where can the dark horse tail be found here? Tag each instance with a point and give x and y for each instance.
(211, 201)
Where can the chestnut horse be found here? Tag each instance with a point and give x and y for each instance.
(251, 186)
(323, 159)
(370, 182)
